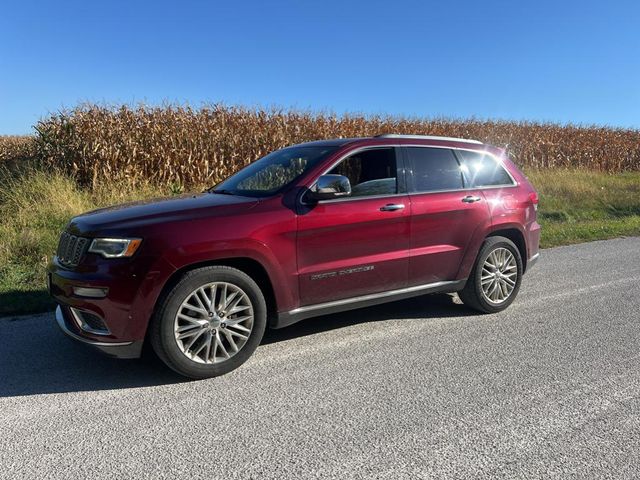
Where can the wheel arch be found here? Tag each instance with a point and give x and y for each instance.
(510, 231)
(517, 237)
(247, 265)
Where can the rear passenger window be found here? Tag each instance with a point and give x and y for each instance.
(482, 170)
(434, 169)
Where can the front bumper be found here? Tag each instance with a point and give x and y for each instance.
(122, 350)
(130, 288)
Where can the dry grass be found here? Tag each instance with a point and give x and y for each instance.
(581, 205)
(176, 145)
(35, 205)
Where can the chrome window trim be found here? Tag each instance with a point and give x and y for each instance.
(363, 197)
(496, 159)
(369, 147)
(355, 199)
(461, 190)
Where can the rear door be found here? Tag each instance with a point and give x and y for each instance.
(445, 213)
(357, 245)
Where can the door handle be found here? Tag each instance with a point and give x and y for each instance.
(471, 199)
(392, 207)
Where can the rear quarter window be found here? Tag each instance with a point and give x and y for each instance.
(482, 170)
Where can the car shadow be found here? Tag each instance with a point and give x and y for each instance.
(36, 358)
(423, 307)
(17, 302)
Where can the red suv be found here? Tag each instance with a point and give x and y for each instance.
(308, 230)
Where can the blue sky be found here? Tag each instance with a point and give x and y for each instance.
(548, 61)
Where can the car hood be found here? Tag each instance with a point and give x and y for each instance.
(143, 213)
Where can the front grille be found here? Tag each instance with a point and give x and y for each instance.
(71, 249)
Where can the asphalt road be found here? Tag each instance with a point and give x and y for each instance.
(421, 388)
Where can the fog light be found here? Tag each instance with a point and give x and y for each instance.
(89, 322)
(90, 292)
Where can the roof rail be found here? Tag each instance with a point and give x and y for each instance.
(428, 137)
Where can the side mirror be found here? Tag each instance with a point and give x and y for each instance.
(331, 186)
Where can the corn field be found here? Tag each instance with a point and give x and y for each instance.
(187, 146)
(16, 147)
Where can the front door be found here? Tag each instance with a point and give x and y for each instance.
(358, 245)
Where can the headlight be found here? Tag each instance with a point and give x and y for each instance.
(115, 247)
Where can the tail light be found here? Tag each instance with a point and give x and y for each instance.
(533, 197)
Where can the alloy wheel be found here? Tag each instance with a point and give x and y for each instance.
(499, 276)
(214, 322)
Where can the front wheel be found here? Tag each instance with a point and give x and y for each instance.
(495, 279)
(210, 322)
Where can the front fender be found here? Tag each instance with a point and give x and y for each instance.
(284, 286)
(174, 260)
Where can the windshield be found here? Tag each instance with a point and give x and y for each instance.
(272, 173)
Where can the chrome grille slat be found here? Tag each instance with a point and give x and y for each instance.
(71, 249)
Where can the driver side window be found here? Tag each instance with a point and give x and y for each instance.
(370, 172)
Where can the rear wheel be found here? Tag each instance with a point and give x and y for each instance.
(495, 279)
(210, 322)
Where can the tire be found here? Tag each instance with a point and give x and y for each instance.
(473, 295)
(180, 317)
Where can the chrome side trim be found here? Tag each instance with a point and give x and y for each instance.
(364, 298)
(429, 137)
(410, 194)
(355, 199)
(470, 189)
(283, 319)
(63, 326)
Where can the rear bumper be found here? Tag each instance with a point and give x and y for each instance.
(124, 350)
(532, 261)
(533, 243)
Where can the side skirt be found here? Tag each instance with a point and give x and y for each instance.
(285, 319)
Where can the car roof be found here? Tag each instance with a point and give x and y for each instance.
(333, 142)
(395, 138)
(429, 137)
